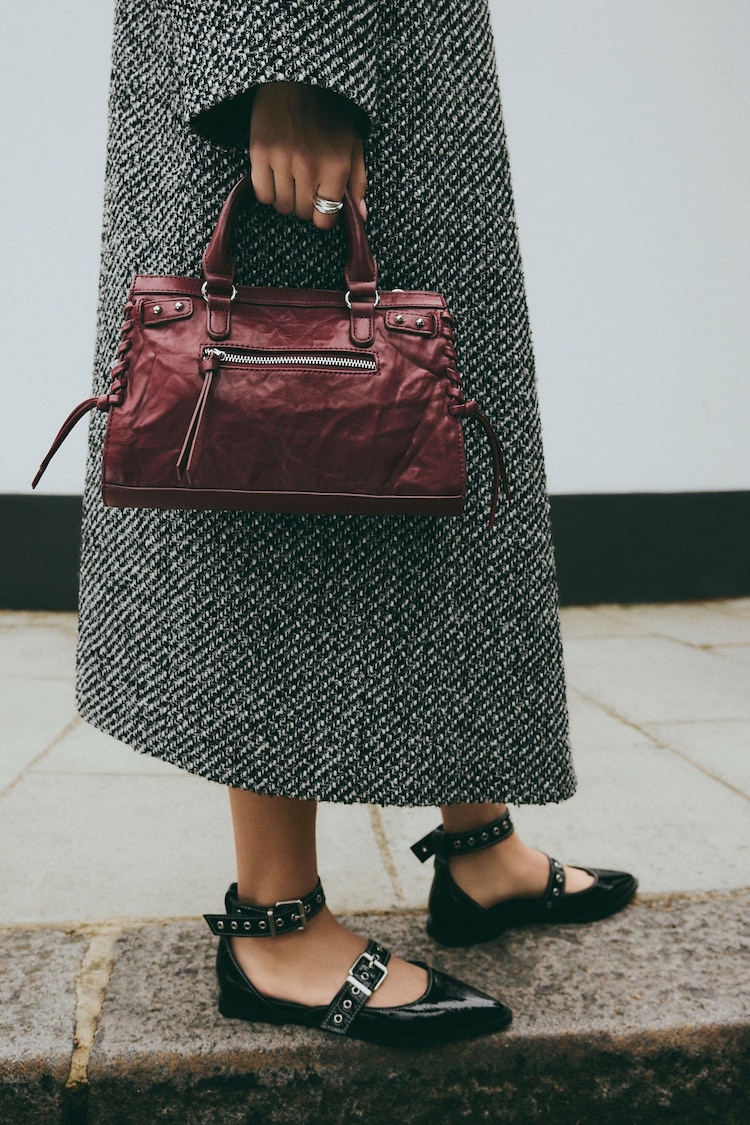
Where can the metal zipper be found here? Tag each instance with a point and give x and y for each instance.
(295, 359)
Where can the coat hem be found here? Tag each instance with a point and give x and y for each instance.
(511, 795)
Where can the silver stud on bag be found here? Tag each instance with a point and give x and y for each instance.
(420, 322)
(399, 318)
(179, 306)
(157, 310)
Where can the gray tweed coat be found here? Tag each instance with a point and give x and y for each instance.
(399, 660)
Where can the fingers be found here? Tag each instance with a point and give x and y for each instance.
(331, 184)
(302, 140)
(264, 186)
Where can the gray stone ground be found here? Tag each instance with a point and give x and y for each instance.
(108, 1009)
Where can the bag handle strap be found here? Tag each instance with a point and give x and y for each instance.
(360, 273)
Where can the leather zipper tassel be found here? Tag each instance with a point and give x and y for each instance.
(209, 367)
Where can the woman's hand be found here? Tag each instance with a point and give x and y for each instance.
(303, 139)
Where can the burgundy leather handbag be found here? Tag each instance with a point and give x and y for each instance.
(285, 400)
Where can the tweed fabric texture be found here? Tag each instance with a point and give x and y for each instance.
(399, 660)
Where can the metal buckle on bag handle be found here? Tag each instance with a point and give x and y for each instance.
(204, 292)
(348, 297)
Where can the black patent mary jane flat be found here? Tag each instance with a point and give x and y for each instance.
(447, 1011)
(455, 919)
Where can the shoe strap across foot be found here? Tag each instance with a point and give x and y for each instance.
(365, 976)
(283, 917)
(555, 888)
(447, 844)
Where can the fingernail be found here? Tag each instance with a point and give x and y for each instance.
(363, 208)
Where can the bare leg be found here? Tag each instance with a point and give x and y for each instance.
(276, 853)
(510, 869)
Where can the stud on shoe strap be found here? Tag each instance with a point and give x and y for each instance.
(555, 884)
(265, 921)
(445, 844)
(365, 976)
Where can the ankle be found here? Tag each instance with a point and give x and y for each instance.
(508, 869)
(465, 818)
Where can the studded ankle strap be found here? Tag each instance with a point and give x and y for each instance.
(445, 844)
(265, 921)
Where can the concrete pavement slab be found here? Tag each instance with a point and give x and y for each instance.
(86, 750)
(738, 653)
(635, 1019)
(594, 621)
(721, 748)
(694, 623)
(37, 1012)
(593, 726)
(40, 646)
(33, 713)
(103, 846)
(655, 679)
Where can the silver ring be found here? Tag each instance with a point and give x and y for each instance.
(348, 297)
(204, 291)
(326, 206)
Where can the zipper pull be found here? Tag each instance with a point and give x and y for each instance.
(209, 367)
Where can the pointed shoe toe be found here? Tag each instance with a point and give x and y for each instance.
(455, 919)
(448, 1010)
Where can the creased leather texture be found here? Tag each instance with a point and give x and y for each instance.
(286, 400)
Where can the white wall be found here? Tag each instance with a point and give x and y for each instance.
(629, 132)
(628, 127)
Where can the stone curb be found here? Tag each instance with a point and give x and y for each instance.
(641, 1018)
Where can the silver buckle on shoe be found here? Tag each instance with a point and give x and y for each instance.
(372, 963)
(274, 922)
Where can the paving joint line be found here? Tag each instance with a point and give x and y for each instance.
(92, 982)
(386, 854)
(659, 744)
(66, 730)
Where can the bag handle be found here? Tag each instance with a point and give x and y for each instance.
(360, 272)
